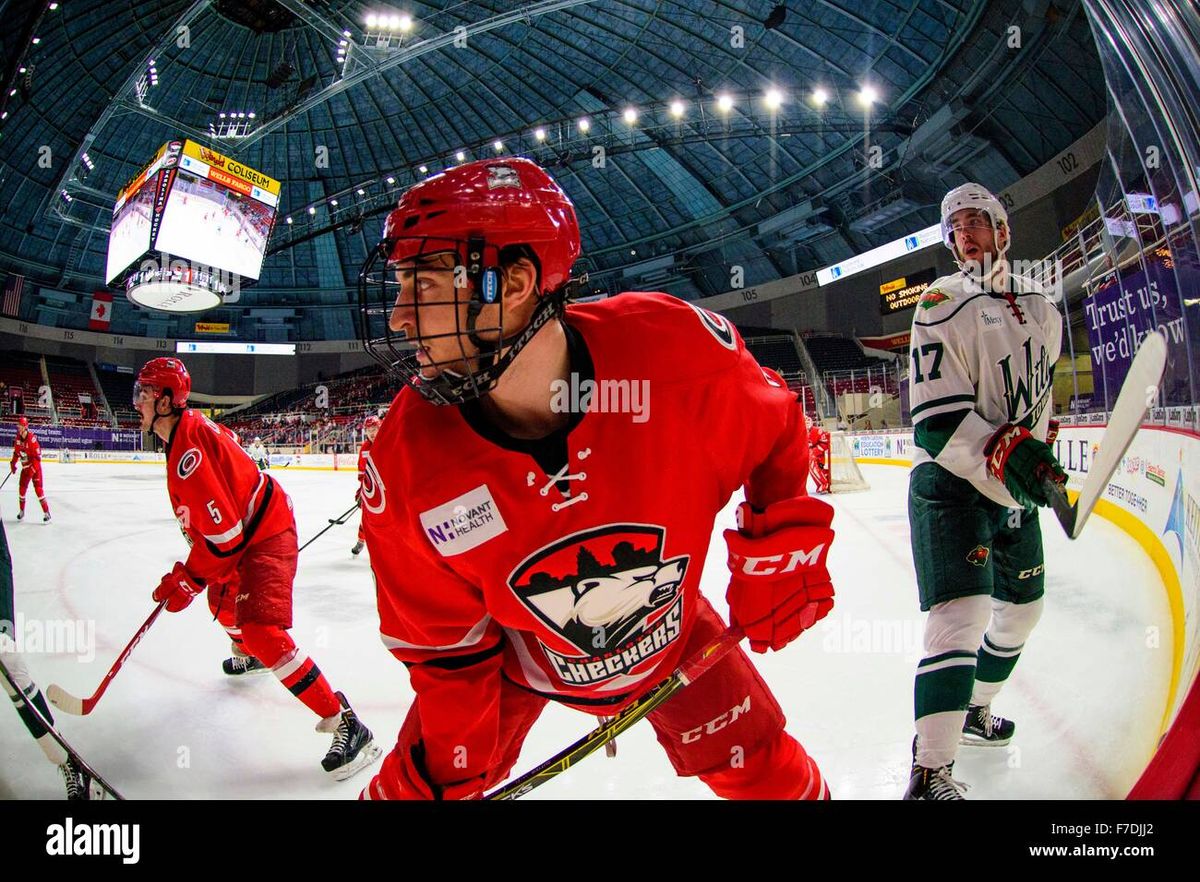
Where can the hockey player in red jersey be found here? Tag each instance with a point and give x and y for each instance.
(239, 524)
(539, 518)
(818, 457)
(27, 449)
(370, 427)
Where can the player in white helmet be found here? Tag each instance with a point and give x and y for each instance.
(259, 453)
(984, 345)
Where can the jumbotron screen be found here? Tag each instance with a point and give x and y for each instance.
(219, 213)
(132, 232)
(197, 205)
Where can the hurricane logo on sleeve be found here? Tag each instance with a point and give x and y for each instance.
(717, 325)
(608, 592)
(374, 497)
(188, 463)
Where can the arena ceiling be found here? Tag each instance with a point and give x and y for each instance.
(348, 103)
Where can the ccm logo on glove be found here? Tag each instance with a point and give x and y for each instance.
(767, 566)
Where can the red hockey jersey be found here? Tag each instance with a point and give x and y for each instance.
(28, 451)
(571, 565)
(221, 499)
(362, 459)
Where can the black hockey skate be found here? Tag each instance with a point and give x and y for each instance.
(46, 518)
(353, 747)
(243, 664)
(358, 546)
(80, 786)
(933, 784)
(983, 728)
(21, 515)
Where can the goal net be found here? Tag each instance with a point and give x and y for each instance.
(845, 476)
(67, 457)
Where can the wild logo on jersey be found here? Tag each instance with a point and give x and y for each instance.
(609, 593)
(1026, 391)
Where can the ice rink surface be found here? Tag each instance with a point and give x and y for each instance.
(1088, 695)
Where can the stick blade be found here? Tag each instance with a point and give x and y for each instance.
(1137, 394)
(1063, 510)
(64, 700)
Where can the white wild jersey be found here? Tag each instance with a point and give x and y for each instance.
(986, 353)
(258, 452)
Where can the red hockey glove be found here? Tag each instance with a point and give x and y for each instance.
(1051, 433)
(13, 468)
(779, 585)
(1021, 462)
(178, 588)
(403, 776)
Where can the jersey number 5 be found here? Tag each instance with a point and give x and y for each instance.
(214, 511)
(935, 369)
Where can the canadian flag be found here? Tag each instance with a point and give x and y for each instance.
(101, 311)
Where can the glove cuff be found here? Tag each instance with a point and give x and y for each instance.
(799, 511)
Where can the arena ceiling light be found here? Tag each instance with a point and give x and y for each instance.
(498, 146)
(677, 108)
(868, 95)
(540, 134)
(630, 115)
(585, 124)
(773, 98)
(724, 103)
(820, 96)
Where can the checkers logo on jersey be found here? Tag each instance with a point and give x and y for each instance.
(609, 593)
(978, 556)
(189, 462)
(463, 523)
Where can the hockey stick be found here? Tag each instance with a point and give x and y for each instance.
(333, 522)
(62, 742)
(1137, 394)
(685, 674)
(64, 700)
(5, 481)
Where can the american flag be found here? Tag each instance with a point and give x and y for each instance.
(14, 287)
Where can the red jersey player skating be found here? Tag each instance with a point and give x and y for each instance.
(370, 428)
(818, 457)
(27, 449)
(540, 499)
(239, 524)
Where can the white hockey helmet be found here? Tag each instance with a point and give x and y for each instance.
(971, 196)
(257, 440)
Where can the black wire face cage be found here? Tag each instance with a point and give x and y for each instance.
(446, 284)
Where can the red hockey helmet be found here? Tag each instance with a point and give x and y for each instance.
(371, 422)
(503, 201)
(23, 422)
(164, 373)
(486, 213)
